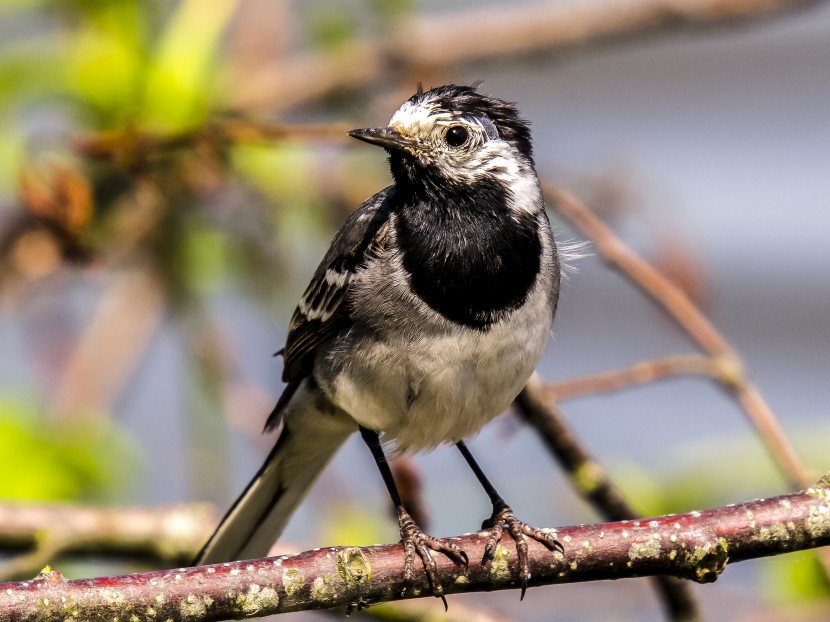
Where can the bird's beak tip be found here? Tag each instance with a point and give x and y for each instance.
(385, 137)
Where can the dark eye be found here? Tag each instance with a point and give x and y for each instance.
(456, 136)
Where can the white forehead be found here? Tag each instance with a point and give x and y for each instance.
(417, 118)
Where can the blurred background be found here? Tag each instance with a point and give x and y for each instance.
(172, 172)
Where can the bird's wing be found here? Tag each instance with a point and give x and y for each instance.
(258, 516)
(321, 312)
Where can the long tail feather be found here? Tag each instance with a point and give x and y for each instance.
(260, 514)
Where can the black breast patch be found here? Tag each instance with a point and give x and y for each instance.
(468, 256)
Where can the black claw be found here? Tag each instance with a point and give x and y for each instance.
(416, 541)
(464, 559)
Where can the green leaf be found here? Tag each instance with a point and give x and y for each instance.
(794, 577)
(178, 82)
(106, 62)
(46, 460)
(331, 26)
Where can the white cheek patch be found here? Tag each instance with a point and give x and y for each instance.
(501, 161)
(504, 169)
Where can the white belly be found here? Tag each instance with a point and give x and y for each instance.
(442, 387)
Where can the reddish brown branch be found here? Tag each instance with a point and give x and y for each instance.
(531, 28)
(130, 146)
(639, 373)
(419, 45)
(593, 484)
(695, 546)
(678, 306)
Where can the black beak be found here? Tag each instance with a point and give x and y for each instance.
(384, 137)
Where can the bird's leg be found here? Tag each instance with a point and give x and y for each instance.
(503, 516)
(413, 539)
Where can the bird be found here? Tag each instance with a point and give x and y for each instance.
(423, 321)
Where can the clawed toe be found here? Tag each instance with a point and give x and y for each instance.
(504, 516)
(416, 541)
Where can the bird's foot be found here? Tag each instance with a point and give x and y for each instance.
(503, 516)
(416, 541)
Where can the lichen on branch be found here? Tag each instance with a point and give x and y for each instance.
(696, 546)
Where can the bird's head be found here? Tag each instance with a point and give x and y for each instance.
(454, 135)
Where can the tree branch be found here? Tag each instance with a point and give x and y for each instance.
(679, 307)
(592, 482)
(530, 28)
(639, 373)
(421, 44)
(171, 534)
(696, 546)
(132, 146)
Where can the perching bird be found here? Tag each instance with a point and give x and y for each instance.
(422, 323)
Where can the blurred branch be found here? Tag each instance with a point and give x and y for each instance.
(593, 483)
(107, 352)
(695, 546)
(132, 146)
(171, 534)
(422, 43)
(678, 306)
(410, 487)
(533, 28)
(639, 373)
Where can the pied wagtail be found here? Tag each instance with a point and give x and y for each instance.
(422, 323)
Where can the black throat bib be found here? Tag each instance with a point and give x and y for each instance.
(469, 257)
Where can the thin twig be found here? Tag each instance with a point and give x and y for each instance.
(530, 28)
(594, 484)
(640, 373)
(693, 322)
(108, 350)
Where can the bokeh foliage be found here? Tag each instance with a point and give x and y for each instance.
(48, 460)
(115, 160)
